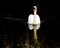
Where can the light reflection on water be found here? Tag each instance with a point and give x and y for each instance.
(19, 36)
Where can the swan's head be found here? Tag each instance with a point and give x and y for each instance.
(34, 9)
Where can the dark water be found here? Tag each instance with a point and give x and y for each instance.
(16, 34)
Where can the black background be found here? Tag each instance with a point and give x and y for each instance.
(47, 10)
